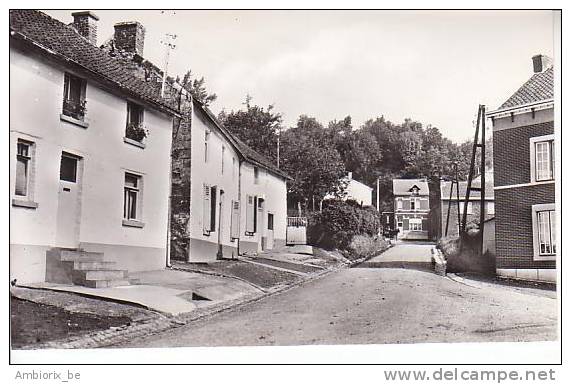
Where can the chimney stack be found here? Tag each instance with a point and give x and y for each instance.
(85, 23)
(541, 63)
(350, 175)
(130, 37)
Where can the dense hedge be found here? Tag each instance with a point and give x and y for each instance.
(339, 221)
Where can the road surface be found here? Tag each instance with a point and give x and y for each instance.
(369, 305)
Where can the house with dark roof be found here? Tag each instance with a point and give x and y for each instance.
(90, 144)
(524, 179)
(411, 208)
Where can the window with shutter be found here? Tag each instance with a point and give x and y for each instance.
(206, 210)
(250, 214)
(213, 196)
(235, 220)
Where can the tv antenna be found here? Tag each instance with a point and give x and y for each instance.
(169, 43)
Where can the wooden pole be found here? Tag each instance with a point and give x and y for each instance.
(471, 174)
(483, 179)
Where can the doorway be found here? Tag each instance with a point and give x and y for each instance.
(69, 205)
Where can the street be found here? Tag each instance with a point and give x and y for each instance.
(375, 306)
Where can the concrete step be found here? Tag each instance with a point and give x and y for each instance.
(105, 283)
(68, 255)
(100, 274)
(93, 265)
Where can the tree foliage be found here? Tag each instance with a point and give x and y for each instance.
(196, 87)
(257, 127)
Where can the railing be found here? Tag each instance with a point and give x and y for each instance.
(297, 221)
(74, 108)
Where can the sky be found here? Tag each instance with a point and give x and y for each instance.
(431, 66)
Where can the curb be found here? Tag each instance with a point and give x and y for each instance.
(438, 261)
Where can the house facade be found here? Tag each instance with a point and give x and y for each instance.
(525, 177)
(412, 208)
(474, 204)
(89, 150)
(227, 199)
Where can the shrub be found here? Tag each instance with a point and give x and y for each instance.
(339, 221)
(366, 246)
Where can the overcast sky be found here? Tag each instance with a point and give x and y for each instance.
(432, 66)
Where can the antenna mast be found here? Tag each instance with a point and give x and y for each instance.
(169, 43)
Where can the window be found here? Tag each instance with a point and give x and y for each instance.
(135, 129)
(415, 224)
(399, 203)
(490, 208)
(270, 221)
(235, 221)
(23, 160)
(250, 215)
(222, 160)
(68, 168)
(74, 97)
(256, 175)
(544, 224)
(412, 204)
(206, 137)
(213, 196)
(542, 158)
(131, 200)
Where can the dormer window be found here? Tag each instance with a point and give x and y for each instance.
(74, 97)
(135, 129)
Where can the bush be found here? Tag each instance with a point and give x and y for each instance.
(366, 246)
(339, 221)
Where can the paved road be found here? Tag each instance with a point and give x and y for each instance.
(367, 305)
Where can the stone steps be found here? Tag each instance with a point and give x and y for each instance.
(88, 269)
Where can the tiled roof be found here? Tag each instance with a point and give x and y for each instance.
(56, 38)
(403, 186)
(248, 153)
(538, 88)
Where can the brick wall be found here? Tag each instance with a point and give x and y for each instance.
(514, 236)
(180, 187)
(511, 153)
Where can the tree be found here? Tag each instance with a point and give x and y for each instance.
(197, 88)
(315, 165)
(257, 127)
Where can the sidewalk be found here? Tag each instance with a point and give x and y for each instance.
(171, 297)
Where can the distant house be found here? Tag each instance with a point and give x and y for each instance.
(524, 176)
(474, 204)
(411, 207)
(89, 151)
(361, 193)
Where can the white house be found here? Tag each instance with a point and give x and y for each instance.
(83, 176)
(361, 193)
(227, 199)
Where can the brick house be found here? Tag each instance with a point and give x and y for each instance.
(524, 177)
(473, 204)
(412, 208)
(90, 160)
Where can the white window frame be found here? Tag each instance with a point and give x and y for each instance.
(136, 221)
(535, 209)
(533, 160)
(413, 201)
(399, 203)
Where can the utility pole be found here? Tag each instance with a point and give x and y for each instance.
(378, 194)
(279, 136)
(169, 43)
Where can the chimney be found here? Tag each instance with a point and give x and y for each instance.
(130, 37)
(350, 176)
(85, 23)
(541, 63)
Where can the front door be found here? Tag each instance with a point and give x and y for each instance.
(67, 231)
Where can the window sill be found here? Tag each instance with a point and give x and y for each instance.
(133, 223)
(537, 257)
(71, 120)
(134, 143)
(24, 203)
